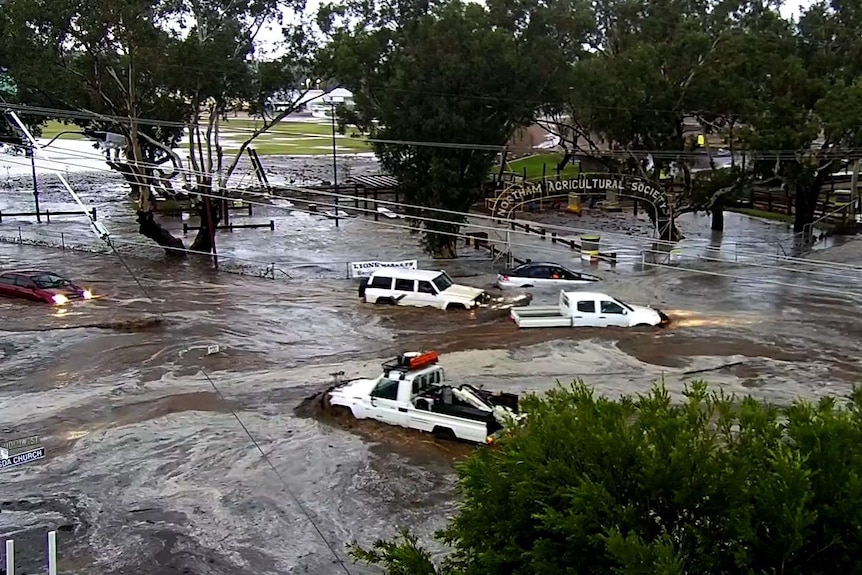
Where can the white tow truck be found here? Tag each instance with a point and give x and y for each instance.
(588, 309)
(412, 392)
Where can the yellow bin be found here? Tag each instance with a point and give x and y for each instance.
(574, 203)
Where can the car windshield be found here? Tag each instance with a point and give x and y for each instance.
(443, 281)
(48, 281)
(625, 305)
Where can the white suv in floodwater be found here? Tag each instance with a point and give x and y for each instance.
(420, 288)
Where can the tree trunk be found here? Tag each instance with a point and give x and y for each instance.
(447, 248)
(147, 225)
(210, 216)
(806, 204)
(717, 219)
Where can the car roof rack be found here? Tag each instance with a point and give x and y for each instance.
(411, 361)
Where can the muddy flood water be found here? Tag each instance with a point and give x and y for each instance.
(149, 471)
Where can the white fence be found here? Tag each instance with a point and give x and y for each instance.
(52, 555)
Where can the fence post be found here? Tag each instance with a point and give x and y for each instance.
(20, 238)
(48, 216)
(10, 557)
(62, 240)
(52, 553)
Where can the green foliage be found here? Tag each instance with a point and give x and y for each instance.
(449, 86)
(400, 557)
(644, 486)
(100, 56)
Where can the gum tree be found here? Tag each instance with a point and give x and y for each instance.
(102, 61)
(221, 71)
(645, 485)
(440, 87)
(809, 124)
(150, 72)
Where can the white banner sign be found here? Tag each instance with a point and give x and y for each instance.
(365, 269)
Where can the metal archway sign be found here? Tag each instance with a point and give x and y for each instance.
(588, 184)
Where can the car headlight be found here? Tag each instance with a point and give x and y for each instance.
(60, 299)
(87, 294)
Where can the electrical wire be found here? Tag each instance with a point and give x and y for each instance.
(834, 291)
(278, 474)
(528, 246)
(99, 228)
(105, 236)
(841, 155)
(566, 229)
(551, 227)
(759, 280)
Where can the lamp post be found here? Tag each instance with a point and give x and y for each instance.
(334, 157)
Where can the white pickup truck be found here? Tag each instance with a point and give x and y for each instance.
(411, 392)
(588, 309)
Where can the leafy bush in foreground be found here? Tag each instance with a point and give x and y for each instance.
(643, 486)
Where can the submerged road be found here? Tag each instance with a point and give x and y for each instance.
(147, 469)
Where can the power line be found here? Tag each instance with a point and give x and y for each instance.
(765, 155)
(568, 252)
(278, 474)
(191, 172)
(426, 219)
(105, 236)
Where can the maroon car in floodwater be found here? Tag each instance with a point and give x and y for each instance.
(38, 285)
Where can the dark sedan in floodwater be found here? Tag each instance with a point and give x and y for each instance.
(38, 285)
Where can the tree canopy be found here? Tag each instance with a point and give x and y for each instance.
(153, 72)
(645, 485)
(441, 87)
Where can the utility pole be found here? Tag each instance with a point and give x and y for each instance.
(854, 191)
(35, 182)
(334, 157)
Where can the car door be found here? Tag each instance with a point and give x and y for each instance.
(7, 285)
(26, 288)
(426, 293)
(379, 286)
(385, 404)
(559, 276)
(585, 313)
(613, 314)
(404, 292)
(539, 276)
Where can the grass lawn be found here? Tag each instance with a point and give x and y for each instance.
(534, 164)
(293, 138)
(274, 145)
(53, 127)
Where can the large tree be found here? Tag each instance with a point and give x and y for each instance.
(629, 100)
(150, 71)
(809, 122)
(103, 60)
(642, 486)
(441, 86)
(220, 70)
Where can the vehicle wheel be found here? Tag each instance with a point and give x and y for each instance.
(385, 301)
(526, 286)
(443, 432)
(451, 306)
(642, 325)
(341, 412)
